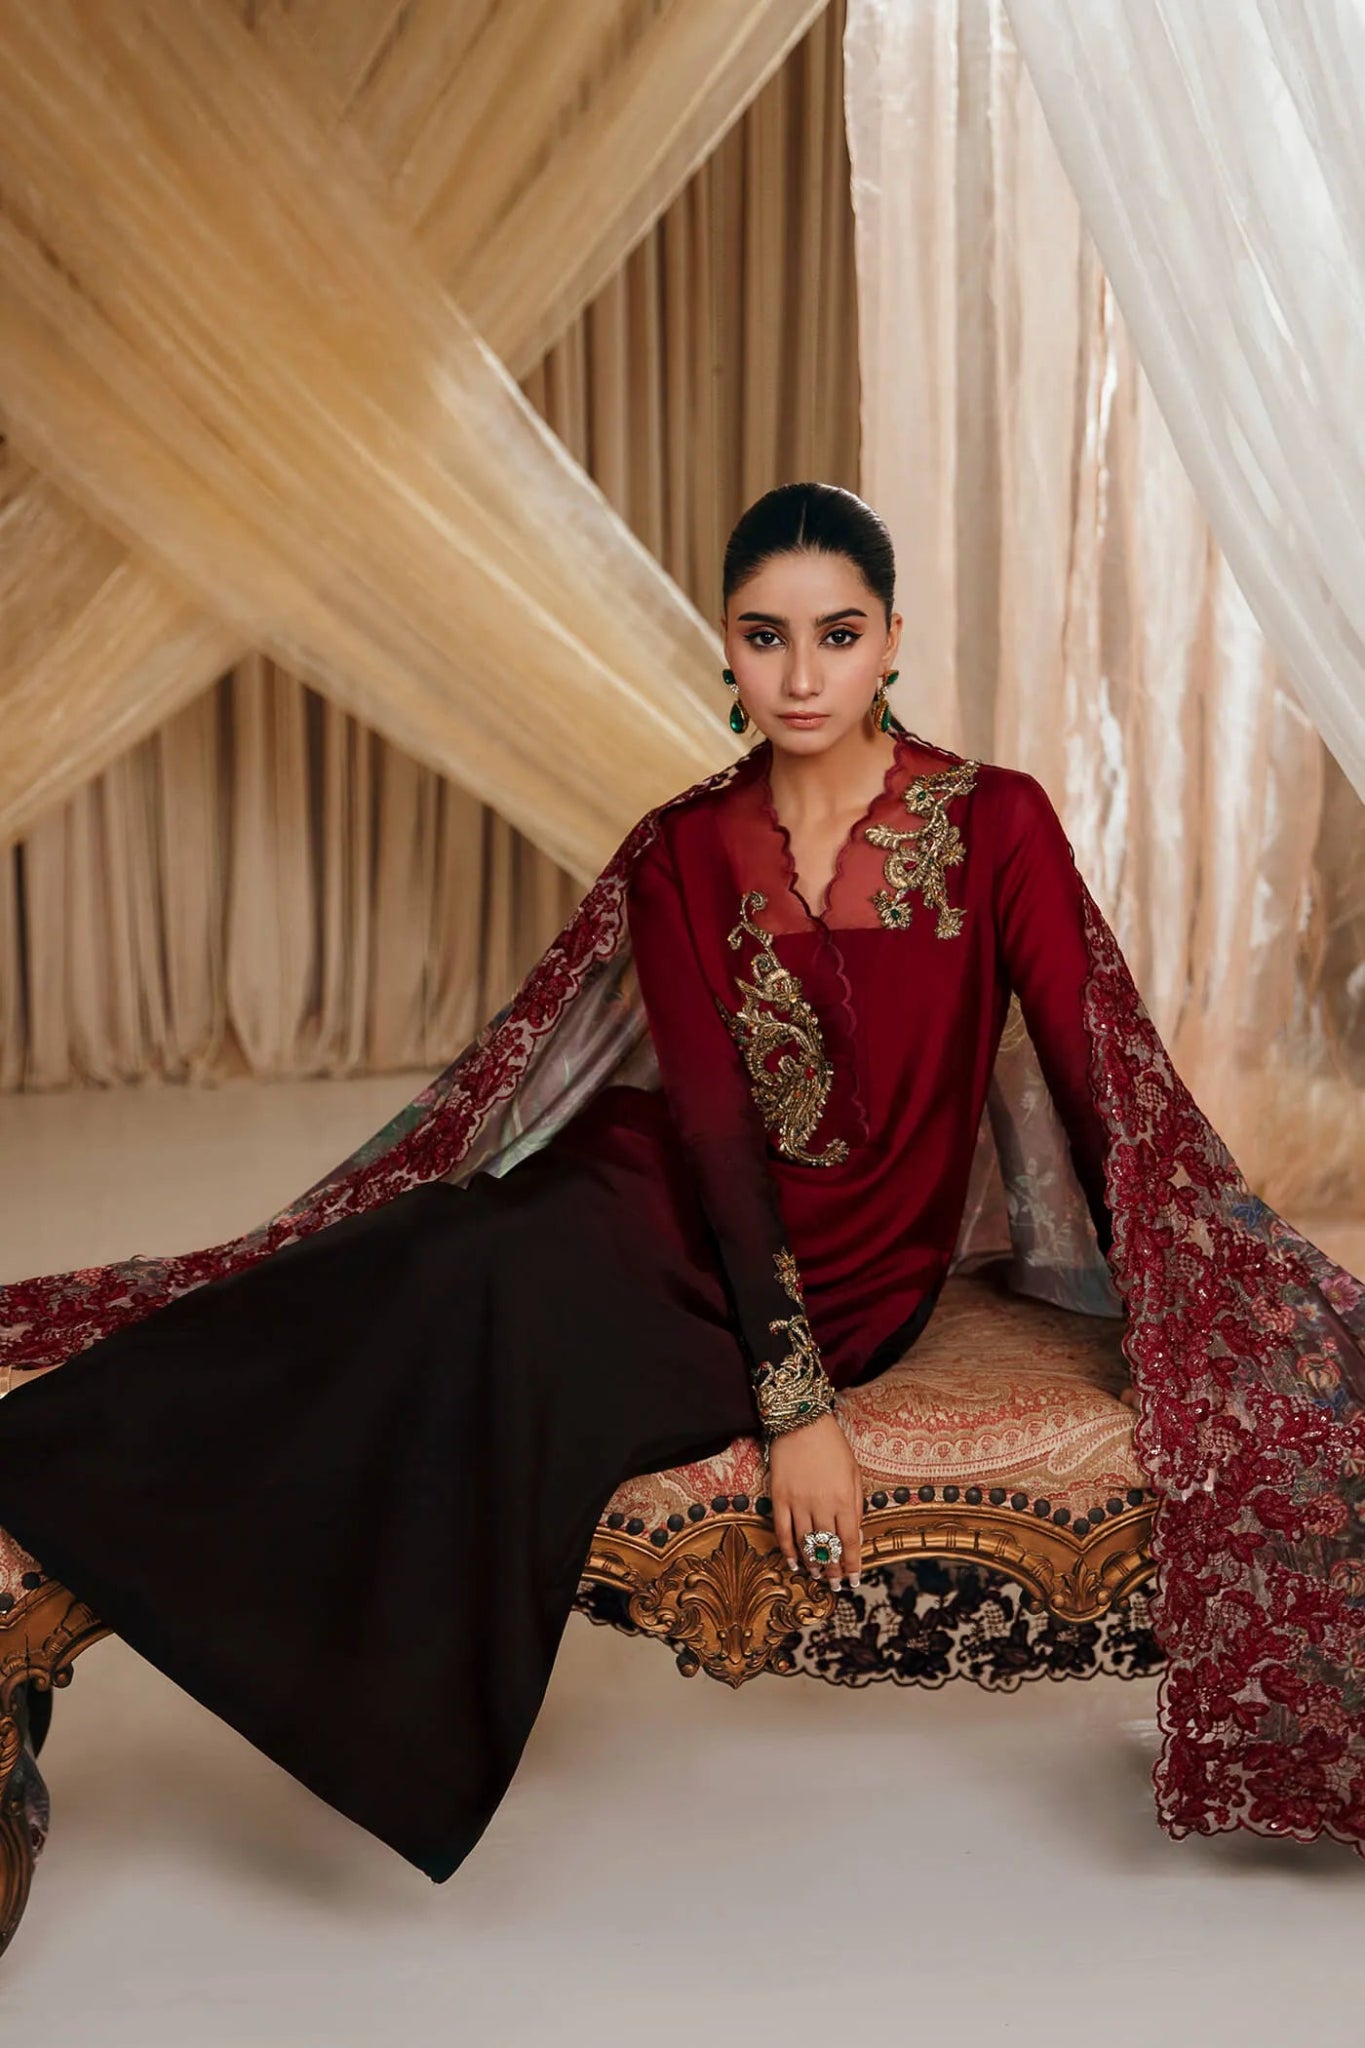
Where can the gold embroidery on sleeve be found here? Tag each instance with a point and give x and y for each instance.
(917, 860)
(795, 1389)
(791, 1096)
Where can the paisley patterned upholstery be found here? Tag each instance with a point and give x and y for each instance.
(1000, 1391)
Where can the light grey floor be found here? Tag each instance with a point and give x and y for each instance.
(674, 1862)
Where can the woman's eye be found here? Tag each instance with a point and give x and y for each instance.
(756, 638)
(851, 637)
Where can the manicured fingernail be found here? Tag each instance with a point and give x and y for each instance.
(856, 1580)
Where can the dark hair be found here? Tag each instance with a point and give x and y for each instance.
(822, 516)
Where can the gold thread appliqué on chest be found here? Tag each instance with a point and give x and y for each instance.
(918, 860)
(791, 1095)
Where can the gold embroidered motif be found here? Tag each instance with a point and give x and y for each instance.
(917, 860)
(796, 1389)
(792, 1095)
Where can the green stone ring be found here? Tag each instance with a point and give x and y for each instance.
(822, 1547)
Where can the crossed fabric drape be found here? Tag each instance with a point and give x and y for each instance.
(257, 340)
(267, 883)
(1068, 608)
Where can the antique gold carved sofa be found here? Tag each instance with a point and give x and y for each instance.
(1006, 1528)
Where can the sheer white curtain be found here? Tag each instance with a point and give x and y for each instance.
(1218, 153)
(1068, 608)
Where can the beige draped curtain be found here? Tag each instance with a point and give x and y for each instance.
(258, 331)
(1068, 609)
(268, 882)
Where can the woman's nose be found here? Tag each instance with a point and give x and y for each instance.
(801, 676)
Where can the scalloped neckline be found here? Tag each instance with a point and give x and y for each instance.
(846, 843)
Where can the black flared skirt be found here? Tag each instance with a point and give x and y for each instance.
(344, 1498)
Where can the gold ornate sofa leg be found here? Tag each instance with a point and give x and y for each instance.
(16, 1850)
(723, 1597)
(40, 1639)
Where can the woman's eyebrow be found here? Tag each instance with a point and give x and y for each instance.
(850, 611)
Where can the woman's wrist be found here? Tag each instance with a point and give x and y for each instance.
(822, 1403)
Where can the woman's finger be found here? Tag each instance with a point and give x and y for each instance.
(802, 1525)
(849, 1523)
(782, 1526)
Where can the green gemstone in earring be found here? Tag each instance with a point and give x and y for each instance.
(737, 718)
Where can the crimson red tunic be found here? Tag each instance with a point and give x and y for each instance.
(909, 987)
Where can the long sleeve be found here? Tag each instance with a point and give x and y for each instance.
(718, 1123)
(1039, 920)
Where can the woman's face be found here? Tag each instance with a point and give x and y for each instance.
(807, 642)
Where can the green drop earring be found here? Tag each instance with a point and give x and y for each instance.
(739, 717)
(881, 710)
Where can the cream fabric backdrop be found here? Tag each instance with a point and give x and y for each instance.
(268, 883)
(227, 333)
(1068, 609)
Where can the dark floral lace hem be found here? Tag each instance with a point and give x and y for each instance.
(927, 1622)
(1251, 1427)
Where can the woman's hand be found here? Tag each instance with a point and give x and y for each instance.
(815, 1482)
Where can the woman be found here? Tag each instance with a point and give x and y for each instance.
(710, 1165)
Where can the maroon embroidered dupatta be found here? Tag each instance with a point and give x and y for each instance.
(1246, 1343)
